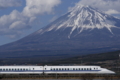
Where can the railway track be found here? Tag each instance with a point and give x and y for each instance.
(60, 76)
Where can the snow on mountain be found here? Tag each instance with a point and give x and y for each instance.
(82, 18)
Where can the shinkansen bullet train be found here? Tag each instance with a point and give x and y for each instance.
(54, 70)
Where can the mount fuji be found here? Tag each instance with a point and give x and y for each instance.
(83, 30)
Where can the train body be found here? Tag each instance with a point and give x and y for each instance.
(21, 69)
(54, 70)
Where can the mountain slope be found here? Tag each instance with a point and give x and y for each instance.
(82, 30)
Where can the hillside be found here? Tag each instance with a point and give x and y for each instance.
(91, 58)
(95, 59)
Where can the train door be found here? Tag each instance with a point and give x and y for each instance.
(32, 70)
(43, 70)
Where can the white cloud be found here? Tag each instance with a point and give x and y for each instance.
(111, 11)
(37, 7)
(13, 24)
(103, 5)
(9, 3)
(18, 25)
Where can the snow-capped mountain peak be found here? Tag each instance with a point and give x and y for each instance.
(82, 18)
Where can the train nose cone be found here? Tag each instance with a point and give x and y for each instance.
(112, 72)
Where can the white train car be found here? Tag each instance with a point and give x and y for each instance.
(76, 70)
(54, 70)
(21, 69)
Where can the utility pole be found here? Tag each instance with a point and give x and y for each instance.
(56, 75)
(119, 63)
(81, 60)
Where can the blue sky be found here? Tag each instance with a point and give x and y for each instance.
(19, 18)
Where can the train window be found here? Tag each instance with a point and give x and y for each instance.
(33, 68)
(6, 69)
(51, 69)
(59, 69)
(81, 68)
(68, 68)
(62, 69)
(65, 69)
(0, 69)
(94, 68)
(26, 69)
(3, 69)
(73, 68)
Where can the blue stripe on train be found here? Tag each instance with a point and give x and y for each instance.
(69, 70)
(52, 71)
(25, 71)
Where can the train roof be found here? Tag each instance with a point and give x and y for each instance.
(49, 66)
